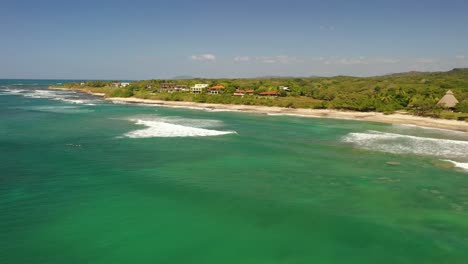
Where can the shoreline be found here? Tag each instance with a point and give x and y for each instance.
(401, 119)
(83, 90)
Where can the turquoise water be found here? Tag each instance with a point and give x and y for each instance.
(88, 181)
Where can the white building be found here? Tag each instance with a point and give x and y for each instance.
(285, 88)
(198, 88)
(120, 84)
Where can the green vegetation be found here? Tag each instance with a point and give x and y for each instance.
(414, 92)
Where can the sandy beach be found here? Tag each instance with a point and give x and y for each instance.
(397, 118)
(404, 119)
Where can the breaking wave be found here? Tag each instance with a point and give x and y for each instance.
(405, 144)
(10, 91)
(56, 95)
(175, 127)
(461, 165)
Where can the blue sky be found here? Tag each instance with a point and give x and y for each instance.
(162, 39)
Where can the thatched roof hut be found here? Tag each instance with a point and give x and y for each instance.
(448, 101)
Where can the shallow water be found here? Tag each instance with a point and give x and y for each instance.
(89, 181)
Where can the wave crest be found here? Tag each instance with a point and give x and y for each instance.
(175, 127)
(56, 95)
(405, 144)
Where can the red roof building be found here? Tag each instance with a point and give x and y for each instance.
(269, 93)
(215, 89)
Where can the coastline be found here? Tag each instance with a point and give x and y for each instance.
(78, 89)
(402, 119)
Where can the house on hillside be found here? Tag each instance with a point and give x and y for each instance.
(240, 92)
(119, 84)
(166, 87)
(181, 88)
(217, 89)
(448, 101)
(198, 88)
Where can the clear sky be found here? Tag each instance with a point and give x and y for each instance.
(142, 39)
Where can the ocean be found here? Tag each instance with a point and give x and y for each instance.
(83, 180)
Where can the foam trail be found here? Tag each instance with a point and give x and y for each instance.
(429, 131)
(8, 90)
(404, 144)
(165, 129)
(65, 96)
(461, 165)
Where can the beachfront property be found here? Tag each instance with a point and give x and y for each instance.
(198, 88)
(166, 87)
(181, 88)
(119, 84)
(217, 89)
(241, 93)
(448, 101)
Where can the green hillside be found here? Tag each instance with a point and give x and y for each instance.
(415, 92)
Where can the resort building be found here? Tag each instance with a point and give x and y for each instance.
(240, 92)
(198, 88)
(119, 84)
(448, 101)
(166, 87)
(181, 88)
(217, 89)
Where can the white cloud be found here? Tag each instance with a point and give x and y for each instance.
(203, 57)
(460, 57)
(242, 59)
(281, 59)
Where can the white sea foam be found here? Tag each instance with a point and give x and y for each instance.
(199, 123)
(405, 144)
(7, 90)
(175, 127)
(436, 131)
(461, 165)
(221, 110)
(56, 95)
(285, 114)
